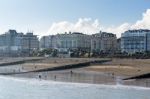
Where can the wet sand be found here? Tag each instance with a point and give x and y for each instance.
(123, 67)
(50, 63)
(83, 76)
(106, 73)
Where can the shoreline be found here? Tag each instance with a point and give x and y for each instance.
(84, 77)
(41, 82)
(108, 73)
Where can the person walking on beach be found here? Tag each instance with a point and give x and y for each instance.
(35, 67)
(71, 72)
(40, 77)
(55, 77)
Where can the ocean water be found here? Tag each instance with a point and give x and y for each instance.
(17, 88)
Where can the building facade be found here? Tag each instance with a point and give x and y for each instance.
(103, 41)
(47, 42)
(106, 42)
(133, 41)
(73, 40)
(118, 45)
(17, 44)
(29, 43)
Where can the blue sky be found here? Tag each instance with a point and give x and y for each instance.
(39, 15)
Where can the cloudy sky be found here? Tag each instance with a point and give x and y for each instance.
(46, 17)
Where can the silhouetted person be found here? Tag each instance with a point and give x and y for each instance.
(113, 75)
(55, 77)
(71, 72)
(40, 76)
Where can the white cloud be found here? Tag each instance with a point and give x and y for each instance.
(85, 25)
(118, 29)
(60, 27)
(89, 26)
(144, 23)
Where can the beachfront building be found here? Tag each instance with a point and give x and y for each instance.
(48, 42)
(29, 43)
(8, 43)
(95, 43)
(106, 42)
(103, 41)
(45, 42)
(133, 41)
(118, 45)
(67, 43)
(17, 44)
(3, 46)
(73, 41)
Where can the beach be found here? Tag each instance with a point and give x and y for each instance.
(110, 73)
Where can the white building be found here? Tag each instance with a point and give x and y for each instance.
(135, 41)
(16, 44)
(103, 41)
(106, 42)
(73, 40)
(48, 42)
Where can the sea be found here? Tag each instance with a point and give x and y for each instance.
(23, 88)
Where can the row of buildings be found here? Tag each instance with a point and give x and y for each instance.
(106, 42)
(13, 43)
(131, 41)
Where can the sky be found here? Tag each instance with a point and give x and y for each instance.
(47, 17)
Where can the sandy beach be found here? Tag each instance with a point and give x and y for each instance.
(123, 67)
(111, 72)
